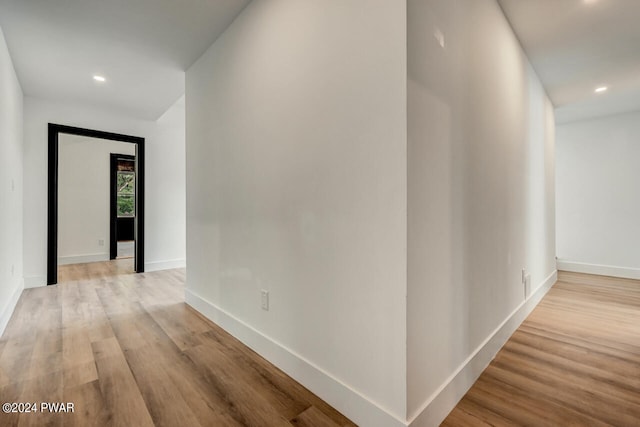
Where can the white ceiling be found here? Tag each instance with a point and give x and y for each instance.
(142, 48)
(576, 46)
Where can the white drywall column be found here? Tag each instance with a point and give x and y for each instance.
(296, 177)
(480, 194)
(296, 155)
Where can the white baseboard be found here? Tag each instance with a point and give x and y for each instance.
(35, 281)
(438, 406)
(10, 306)
(82, 259)
(164, 265)
(601, 270)
(352, 404)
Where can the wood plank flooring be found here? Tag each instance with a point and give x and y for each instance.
(127, 351)
(575, 361)
(95, 270)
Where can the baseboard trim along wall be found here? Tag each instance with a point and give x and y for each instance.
(438, 406)
(351, 403)
(601, 270)
(164, 265)
(354, 405)
(8, 309)
(35, 281)
(81, 259)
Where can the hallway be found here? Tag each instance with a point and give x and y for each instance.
(127, 350)
(574, 361)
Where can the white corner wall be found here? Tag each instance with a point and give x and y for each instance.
(164, 143)
(598, 201)
(84, 167)
(480, 194)
(165, 222)
(296, 177)
(11, 201)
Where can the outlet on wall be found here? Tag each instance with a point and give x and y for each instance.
(101, 242)
(439, 36)
(265, 299)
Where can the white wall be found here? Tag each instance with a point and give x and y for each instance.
(165, 222)
(598, 196)
(11, 202)
(163, 148)
(296, 177)
(480, 193)
(84, 197)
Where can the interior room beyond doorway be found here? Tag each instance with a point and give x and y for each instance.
(96, 207)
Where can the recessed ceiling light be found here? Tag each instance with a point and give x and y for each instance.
(99, 78)
(601, 89)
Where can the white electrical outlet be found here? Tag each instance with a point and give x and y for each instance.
(439, 36)
(265, 299)
(101, 242)
(523, 280)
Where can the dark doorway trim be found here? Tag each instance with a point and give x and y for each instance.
(114, 230)
(52, 206)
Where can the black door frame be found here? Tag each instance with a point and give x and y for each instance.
(52, 202)
(113, 201)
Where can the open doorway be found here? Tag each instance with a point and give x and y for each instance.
(131, 197)
(122, 207)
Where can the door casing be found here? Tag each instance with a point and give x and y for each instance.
(54, 131)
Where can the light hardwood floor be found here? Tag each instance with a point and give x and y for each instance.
(127, 351)
(575, 361)
(95, 270)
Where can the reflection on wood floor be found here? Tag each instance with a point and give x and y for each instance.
(127, 351)
(575, 361)
(95, 270)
